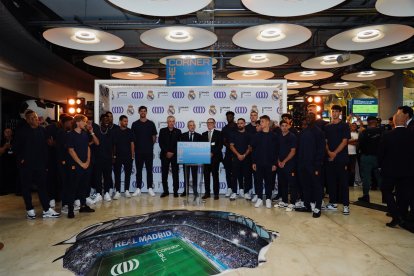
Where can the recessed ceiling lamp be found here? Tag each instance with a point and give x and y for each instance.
(292, 92)
(298, 85)
(367, 75)
(332, 61)
(399, 8)
(341, 85)
(405, 61)
(271, 36)
(134, 75)
(185, 56)
(323, 92)
(258, 60)
(161, 7)
(178, 38)
(308, 75)
(284, 8)
(370, 37)
(113, 61)
(84, 39)
(250, 75)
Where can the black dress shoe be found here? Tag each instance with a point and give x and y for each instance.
(205, 196)
(86, 209)
(175, 194)
(393, 223)
(364, 198)
(216, 197)
(71, 214)
(316, 214)
(303, 209)
(183, 194)
(164, 194)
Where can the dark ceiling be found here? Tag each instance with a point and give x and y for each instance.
(224, 17)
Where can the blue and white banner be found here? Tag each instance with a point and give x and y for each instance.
(194, 103)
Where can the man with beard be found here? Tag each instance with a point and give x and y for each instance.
(240, 146)
(228, 154)
(169, 136)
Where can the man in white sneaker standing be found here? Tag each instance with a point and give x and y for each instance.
(31, 149)
(145, 135)
(265, 147)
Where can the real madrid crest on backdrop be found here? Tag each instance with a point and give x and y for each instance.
(194, 103)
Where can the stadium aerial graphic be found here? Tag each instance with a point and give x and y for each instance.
(176, 242)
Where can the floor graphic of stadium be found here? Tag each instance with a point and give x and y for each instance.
(177, 242)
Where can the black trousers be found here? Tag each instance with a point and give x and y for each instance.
(398, 205)
(212, 169)
(240, 175)
(264, 174)
(227, 163)
(286, 179)
(165, 167)
(140, 160)
(337, 176)
(29, 176)
(127, 164)
(77, 187)
(193, 170)
(54, 187)
(311, 184)
(64, 177)
(103, 169)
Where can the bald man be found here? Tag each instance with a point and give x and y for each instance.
(395, 159)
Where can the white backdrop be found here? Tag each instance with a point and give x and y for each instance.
(188, 103)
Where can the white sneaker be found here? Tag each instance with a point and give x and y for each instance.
(107, 197)
(151, 192)
(247, 196)
(233, 196)
(299, 204)
(241, 193)
(255, 198)
(137, 192)
(268, 203)
(90, 201)
(51, 214)
(346, 210)
(312, 206)
(228, 192)
(117, 196)
(31, 214)
(259, 203)
(64, 209)
(323, 206)
(127, 194)
(76, 203)
(331, 207)
(290, 208)
(52, 203)
(281, 205)
(98, 197)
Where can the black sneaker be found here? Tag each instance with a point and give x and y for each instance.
(175, 194)
(216, 197)
(164, 194)
(86, 209)
(205, 196)
(364, 198)
(393, 223)
(303, 209)
(183, 194)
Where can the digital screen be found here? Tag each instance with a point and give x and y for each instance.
(364, 106)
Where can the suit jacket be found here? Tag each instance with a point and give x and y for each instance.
(396, 151)
(216, 144)
(185, 137)
(165, 144)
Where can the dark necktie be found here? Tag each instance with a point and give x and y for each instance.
(191, 136)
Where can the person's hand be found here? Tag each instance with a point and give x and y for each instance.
(169, 155)
(281, 164)
(89, 128)
(84, 165)
(254, 167)
(274, 168)
(240, 157)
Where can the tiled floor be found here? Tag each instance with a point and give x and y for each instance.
(334, 244)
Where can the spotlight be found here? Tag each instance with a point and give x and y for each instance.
(318, 99)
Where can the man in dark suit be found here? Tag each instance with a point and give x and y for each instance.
(190, 136)
(168, 138)
(216, 141)
(395, 160)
